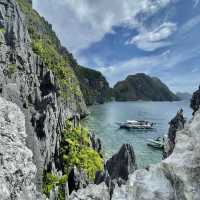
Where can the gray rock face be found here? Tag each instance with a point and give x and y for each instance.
(92, 192)
(195, 101)
(96, 143)
(17, 171)
(176, 124)
(76, 180)
(103, 176)
(122, 164)
(144, 185)
(26, 81)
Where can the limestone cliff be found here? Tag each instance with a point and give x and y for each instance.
(36, 87)
(94, 86)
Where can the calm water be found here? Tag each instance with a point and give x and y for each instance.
(103, 118)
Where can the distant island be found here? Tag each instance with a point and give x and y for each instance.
(142, 87)
(184, 95)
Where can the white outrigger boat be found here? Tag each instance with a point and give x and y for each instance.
(136, 124)
(158, 143)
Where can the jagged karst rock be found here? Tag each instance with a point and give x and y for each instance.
(103, 176)
(76, 180)
(17, 170)
(122, 163)
(116, 171)
(96, 143)
(92, 192)
(48, 84)
(176, 124)
(145, 185)
(195, 101)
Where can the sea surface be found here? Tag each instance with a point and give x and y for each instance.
(102, 121)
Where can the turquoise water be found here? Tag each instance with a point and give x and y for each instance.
(103, 118)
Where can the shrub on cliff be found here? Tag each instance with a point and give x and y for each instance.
(50, 181)
(76, 151)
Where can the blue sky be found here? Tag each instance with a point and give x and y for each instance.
(157, 37)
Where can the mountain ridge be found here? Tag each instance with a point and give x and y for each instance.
(184, 95)
(142, 87)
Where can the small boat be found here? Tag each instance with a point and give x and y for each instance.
(136, 124)
(157, 143)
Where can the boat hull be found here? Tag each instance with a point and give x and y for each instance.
(155, 146)
(136, 127)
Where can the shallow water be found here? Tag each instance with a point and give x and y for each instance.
(103, 118)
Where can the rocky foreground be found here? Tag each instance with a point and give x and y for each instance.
(175, 178)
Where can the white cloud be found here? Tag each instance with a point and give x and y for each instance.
(80, 23)
(190, 24)
(153, 39)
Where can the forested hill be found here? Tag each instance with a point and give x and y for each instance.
(143, 87)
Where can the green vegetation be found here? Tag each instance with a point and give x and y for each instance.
(77, 152)
(2, 30)
(50, 181)
(94, 86)
(46, 44)
(11, 69)
(59, 66)
(142, 87)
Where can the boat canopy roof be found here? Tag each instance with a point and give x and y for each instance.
(132, 121)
